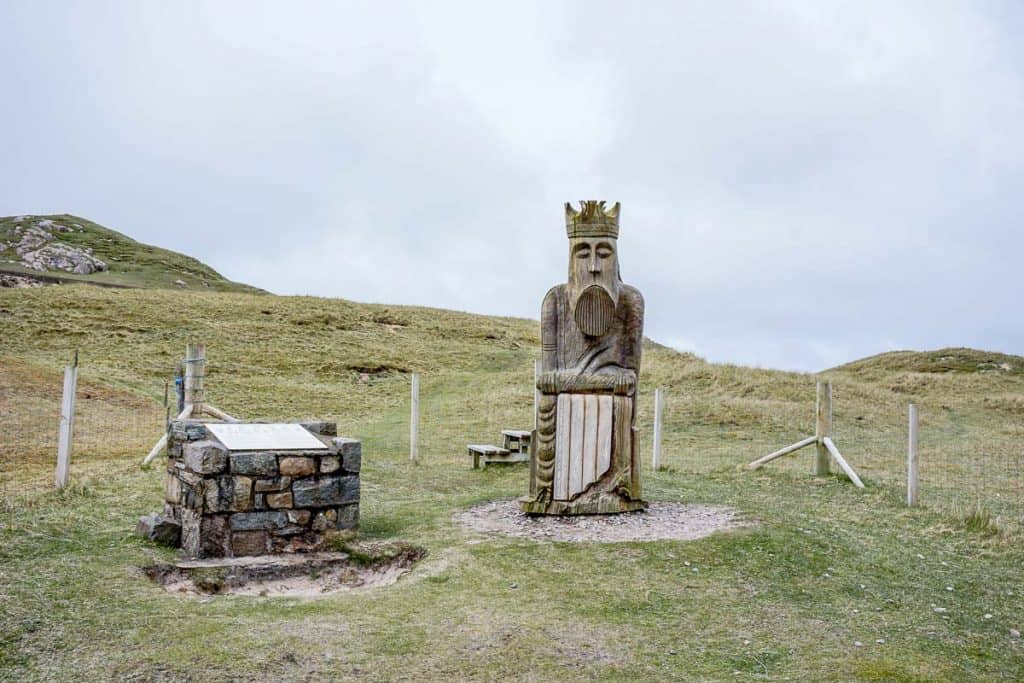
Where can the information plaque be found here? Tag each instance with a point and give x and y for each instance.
(265, 437)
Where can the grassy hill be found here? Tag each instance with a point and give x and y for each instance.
(126, 263)
(928, 593)
(960, 361)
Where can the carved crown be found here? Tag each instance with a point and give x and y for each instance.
(592, 220)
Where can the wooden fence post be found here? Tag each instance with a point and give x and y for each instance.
(67, 425)
(912, 456)
(195, 372)
(414, 419)
(823, 427)
(659, 404)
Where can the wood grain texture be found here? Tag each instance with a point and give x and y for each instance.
(622, 438)
(656, 451)
(823, 427)
(562, 437)
(578, 412)
(912, 455)
(542, 467)
(760, 462)
(195, 377)
(591, 339)
(604, 434)
(591, 424)
(216, 412)
(67, 426)
(841, 461)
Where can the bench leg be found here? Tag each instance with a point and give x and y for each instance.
(476, 459)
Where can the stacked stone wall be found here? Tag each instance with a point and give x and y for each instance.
(232, 503)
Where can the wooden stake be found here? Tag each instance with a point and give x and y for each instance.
(414, 419)
(67, 425)
(216, 412)
(823, 427)
(843, 465)
(162, 443)
(912, 457)
(781, 452)
(659, 405)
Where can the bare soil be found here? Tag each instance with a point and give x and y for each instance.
(302, 575)
(660, 522)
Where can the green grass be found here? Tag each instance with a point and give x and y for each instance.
(822, 566)
(129, 263)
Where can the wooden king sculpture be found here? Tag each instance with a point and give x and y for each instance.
(584, 452)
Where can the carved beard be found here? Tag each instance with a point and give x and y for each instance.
(595, 311)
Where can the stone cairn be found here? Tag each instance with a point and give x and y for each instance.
(229, 504)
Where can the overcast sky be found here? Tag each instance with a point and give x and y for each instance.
(802, 183)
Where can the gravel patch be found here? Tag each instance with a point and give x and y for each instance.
(661, 522)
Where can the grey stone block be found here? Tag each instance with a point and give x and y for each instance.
(348, 517)
(242, 499)
(324, 520)
(247, 543)
(326, 492)
(252, 521)
(219, 494)
(187, 430)
(273, 485)
(299, 516)
(190, 478)
(192, 496)
(190, 527)
(254, 464)
(205, 457)
(159, 529)
(172, 489)
(351, 451)
(214, 536)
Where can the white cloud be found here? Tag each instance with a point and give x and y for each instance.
(802, 182)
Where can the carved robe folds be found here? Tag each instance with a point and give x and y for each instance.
(584, 456)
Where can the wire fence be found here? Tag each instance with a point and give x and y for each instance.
(975, 473)
(31, 437)
(965, 468)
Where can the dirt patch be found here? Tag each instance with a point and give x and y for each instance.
(661, 522)
(302, 575)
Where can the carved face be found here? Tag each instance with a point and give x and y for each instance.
(594, 261)
(594, 283)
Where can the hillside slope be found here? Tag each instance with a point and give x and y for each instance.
(294, 357)
(66, 248)
(830, 582)
(941, 361)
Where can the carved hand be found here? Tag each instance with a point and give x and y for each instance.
(622, 383)
(625, 383)
(548, 382)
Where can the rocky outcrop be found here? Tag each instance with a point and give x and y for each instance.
(18, 281)
(37, 247)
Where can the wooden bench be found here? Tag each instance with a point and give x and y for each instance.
(516, 440)
(493, 454)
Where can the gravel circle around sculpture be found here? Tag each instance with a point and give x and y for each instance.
(660, 522)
